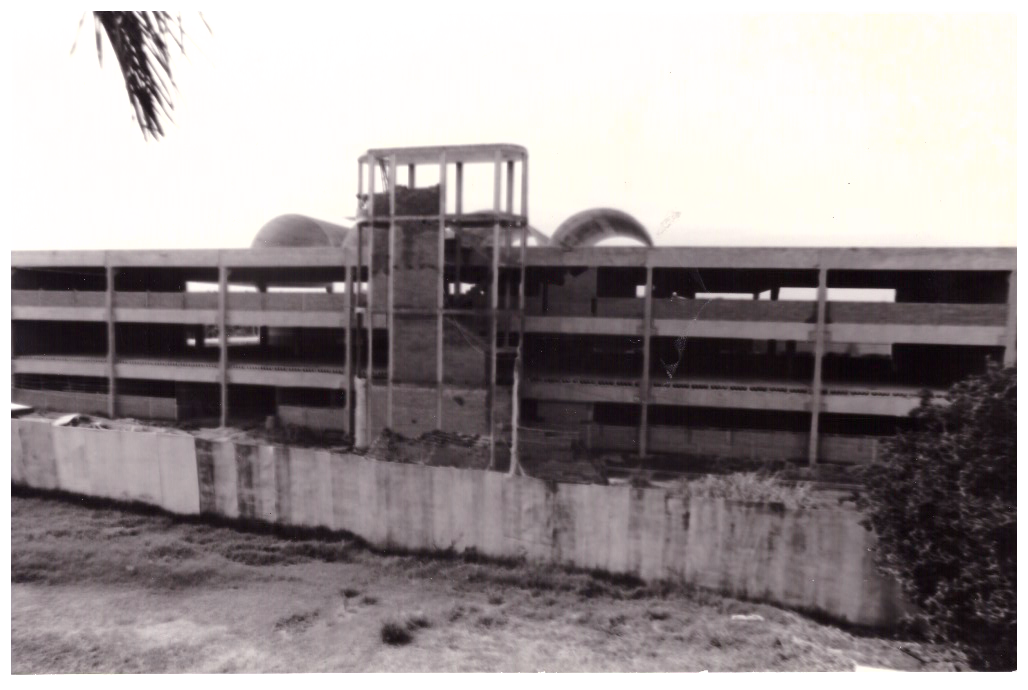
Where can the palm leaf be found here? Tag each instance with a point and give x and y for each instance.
(140, 42)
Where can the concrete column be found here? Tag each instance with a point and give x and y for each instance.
(391, 259)
(1010, 338)
(223, 341)
(494, 300)
(519, 361)
(644, 385)
(348, 350)
(459, 210)
(262, 331)
(509, 245)
(361, 417)
(819, 349)
(440, 292)
(370, 301)
(112, 405)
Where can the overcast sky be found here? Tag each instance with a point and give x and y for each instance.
(737, 130)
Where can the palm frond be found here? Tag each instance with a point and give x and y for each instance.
(141, 43)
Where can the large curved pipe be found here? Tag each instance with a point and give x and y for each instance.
(294, 230)
(594, 225)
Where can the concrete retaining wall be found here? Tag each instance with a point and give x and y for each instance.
(816, 560)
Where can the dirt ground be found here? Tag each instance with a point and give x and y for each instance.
(99, 589)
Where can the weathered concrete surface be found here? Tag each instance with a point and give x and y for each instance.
(416, 266)
(37, 458)
(179, 482)
(813, 559)
(818, 560)
(414, 409)
(465, 351)
(414, 349)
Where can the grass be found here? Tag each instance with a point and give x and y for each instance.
(102, 590)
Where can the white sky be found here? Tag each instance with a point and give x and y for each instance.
(779, 130)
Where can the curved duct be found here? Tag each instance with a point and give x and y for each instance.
(294, 230)
(589, 227)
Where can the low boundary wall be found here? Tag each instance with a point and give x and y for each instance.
(816, 560)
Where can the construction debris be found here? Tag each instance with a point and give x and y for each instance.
(80, 420)
(436, 448)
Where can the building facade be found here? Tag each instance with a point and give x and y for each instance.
(428, 316)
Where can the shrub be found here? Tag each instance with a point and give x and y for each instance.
(417, 622)
(752, 487)
(943, 502)
(395, 634)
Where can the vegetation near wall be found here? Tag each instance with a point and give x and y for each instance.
(753, 487)
(944, 505)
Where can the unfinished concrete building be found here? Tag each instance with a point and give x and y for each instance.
(430, 315)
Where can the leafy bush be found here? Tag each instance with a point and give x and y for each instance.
(944, 504)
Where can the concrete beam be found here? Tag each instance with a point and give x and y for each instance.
(472, 153)
(152, 315)
(582, 325)
(885, 402)
(166, 371)
(23, 313)
(962, 259)
(755, 330)
(286, 377)
(71, 366)
(579, 392)
(289, 319)
(72, 257)
(887, 334)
